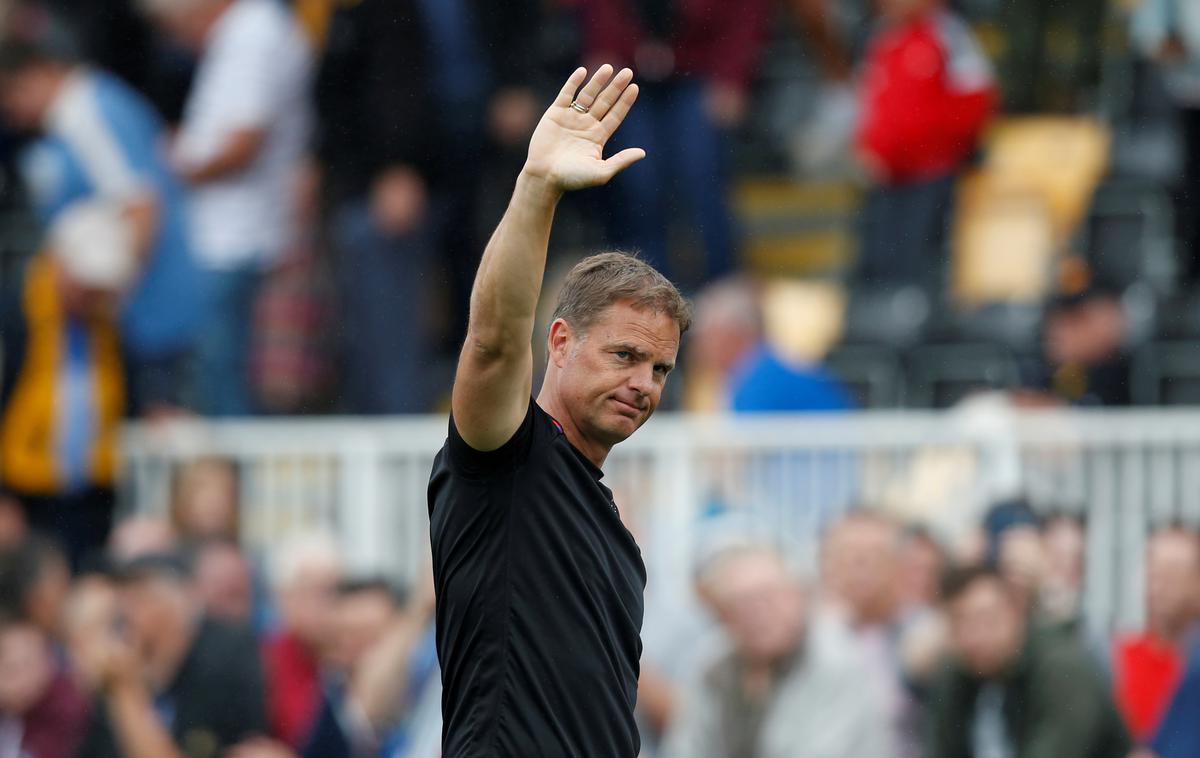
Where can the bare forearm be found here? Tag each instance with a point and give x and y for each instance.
(238, 152)
(509, 281)
(138, 731)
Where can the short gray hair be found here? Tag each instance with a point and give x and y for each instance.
(602, 280)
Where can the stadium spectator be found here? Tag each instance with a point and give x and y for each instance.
(385, 652)
(34, 583)
(731, 366)
(306, 575)
(786, 686)
(100, 140)
(240, 148)
(62, 393)
(42, 712)
(205, 500)
(1012, 689)
(1178, 734)
(861, 559)
(1148, 667)
(922, 562)
(1064, 539)
(1168, 32)
(376, 139)
(224, 581)
(695, 62)
(174, 682)
(926, 94)
(1084, 360)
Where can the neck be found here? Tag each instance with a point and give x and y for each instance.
(596, 452)
(1173, 631)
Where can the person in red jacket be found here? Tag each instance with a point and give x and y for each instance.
(694, 61)
(1149, 667)
(926, 93)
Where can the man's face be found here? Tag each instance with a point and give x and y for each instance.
(26, 669)
(362, 619)
(612, 376)
(309, 602)
(862, 563)
(1172, 575)
(760, 606)
(26, 95)
(987, 627)
(224, 584)
(152, 607)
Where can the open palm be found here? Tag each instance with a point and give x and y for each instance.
(567, 147)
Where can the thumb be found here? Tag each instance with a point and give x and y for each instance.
(623, 160)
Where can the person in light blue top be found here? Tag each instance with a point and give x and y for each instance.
(99, 139)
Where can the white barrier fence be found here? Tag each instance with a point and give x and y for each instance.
(365, 480)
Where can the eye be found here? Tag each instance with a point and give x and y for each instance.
(623, 354)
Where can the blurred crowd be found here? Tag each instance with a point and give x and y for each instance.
(227, 208)
(172, 640)
(250, 207)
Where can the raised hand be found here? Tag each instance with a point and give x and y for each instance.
(567, 147)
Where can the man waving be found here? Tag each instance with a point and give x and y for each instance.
(539, 584)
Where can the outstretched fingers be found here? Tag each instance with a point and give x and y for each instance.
(620, 109)
(592, 89)
(567, 93)
(604, 102)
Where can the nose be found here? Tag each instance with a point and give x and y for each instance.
(641, 379)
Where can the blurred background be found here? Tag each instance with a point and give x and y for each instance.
(932, 425)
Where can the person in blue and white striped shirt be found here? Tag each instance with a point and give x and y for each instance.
(98, 139)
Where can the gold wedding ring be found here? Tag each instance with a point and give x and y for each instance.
(579, 107)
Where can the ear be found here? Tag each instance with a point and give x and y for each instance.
(558, 342)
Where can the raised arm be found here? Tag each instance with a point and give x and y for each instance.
(495, 370)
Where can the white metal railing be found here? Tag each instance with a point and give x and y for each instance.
(366, 479)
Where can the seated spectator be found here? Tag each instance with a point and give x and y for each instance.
(34, 582)
(102, 141)
(1065, 542)
(169, 681)
(922, 563)
(785, 687)
(224, 581)
(732, 366)
(1084, 360)
(62, 393)
(926, 95)
(1010, 689)
(306, 574)
(386, 653)
(205, 500)
(1148, 667)
(42, 713)
(861, 558)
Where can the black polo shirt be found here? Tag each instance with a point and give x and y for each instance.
(539, 600)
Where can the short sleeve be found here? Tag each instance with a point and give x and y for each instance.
(254, 68)
(476, 463)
